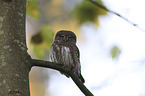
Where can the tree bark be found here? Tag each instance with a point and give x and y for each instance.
(15, 62)
(14, 59)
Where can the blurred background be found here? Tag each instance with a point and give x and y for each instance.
(112, 51)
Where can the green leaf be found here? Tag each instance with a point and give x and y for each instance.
(39, 51)
(115, 52)
(87, 11)
(47, 35)
(32, 9)
(42, 41)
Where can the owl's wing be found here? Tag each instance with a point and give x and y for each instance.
(54, 53)
(76, 59)
(75, 56)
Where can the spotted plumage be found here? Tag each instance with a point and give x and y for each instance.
(64, 51)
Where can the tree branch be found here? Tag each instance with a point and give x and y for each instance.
(58, 67)
(117, 14)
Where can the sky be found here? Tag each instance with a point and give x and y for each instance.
(104, 76)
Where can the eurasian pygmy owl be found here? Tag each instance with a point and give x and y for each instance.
(64, 51)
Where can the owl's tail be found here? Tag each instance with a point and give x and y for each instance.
(81, 78)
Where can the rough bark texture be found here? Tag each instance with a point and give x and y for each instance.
(14, 60)
(15, 63)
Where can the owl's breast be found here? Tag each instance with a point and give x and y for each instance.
(66, 58)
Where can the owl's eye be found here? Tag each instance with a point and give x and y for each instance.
(62, 37)
(69, 38)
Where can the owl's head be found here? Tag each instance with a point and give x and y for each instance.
(65, 36)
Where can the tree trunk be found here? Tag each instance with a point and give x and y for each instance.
(14, 59)
(15, 63)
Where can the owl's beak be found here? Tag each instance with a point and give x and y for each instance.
(65, 39)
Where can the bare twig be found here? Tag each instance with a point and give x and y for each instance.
(119, 15)
(58, 67)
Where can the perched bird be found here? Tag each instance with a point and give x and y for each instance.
(64, 51)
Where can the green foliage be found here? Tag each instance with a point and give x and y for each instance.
(47, 35)
(42, 41)
(32, 9)
(115, 52)
(87, 11)
(39, 51)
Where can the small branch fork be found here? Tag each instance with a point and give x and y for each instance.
(115, 13)
(47, 64)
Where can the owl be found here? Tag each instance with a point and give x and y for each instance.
(64, 51)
